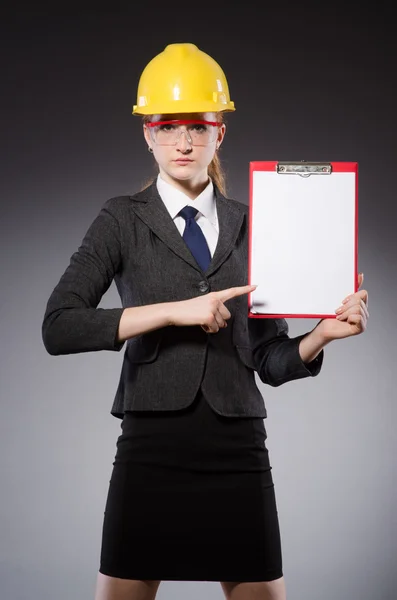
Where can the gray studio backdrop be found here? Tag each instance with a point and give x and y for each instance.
(304, 89)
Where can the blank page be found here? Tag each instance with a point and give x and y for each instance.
(302, 242)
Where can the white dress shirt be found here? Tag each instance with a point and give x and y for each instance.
(206, 218)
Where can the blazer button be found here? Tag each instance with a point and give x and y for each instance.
(203, 286)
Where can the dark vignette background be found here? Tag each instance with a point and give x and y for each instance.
(309, 83)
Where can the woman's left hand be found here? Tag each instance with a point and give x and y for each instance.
(351, 316)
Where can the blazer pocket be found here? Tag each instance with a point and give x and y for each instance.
(244, 350)
(246, 355)
(144, 348)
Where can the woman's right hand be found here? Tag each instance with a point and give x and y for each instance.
(208, 311)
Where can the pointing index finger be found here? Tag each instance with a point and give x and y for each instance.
(236, 291)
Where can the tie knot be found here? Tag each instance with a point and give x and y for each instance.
(188, 212)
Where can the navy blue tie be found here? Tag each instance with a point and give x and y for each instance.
(194, 237)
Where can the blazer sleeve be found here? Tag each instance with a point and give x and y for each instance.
(276, 355)
(72, 322)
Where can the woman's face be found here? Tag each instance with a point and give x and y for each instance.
(184, 160)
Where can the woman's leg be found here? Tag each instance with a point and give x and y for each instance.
(254, 590)
(113, 588)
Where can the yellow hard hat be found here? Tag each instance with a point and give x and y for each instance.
(182, 79)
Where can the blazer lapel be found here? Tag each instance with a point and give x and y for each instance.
(230, 219)
(151, 210)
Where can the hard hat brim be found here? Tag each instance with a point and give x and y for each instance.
(183, 107)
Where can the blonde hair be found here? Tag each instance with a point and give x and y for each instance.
(215, 169)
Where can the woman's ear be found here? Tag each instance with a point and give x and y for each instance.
(147, 136)
(221, 135)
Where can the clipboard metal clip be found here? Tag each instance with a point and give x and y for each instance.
(304, 169)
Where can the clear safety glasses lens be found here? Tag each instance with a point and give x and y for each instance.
(198, 133)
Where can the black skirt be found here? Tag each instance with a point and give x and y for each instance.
(191, 498)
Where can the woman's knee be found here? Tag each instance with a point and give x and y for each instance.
(115, 588)
(254, 590)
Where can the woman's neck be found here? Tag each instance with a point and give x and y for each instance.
(191, 187)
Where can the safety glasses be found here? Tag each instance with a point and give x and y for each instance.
(198, 133)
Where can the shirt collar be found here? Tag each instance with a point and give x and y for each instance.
(175, 200)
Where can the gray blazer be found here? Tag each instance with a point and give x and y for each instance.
(134, 241)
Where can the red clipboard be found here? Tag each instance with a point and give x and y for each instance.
(303, 237)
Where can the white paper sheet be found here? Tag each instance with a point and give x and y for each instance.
(303, 242)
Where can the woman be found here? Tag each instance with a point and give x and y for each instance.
(191, 495)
